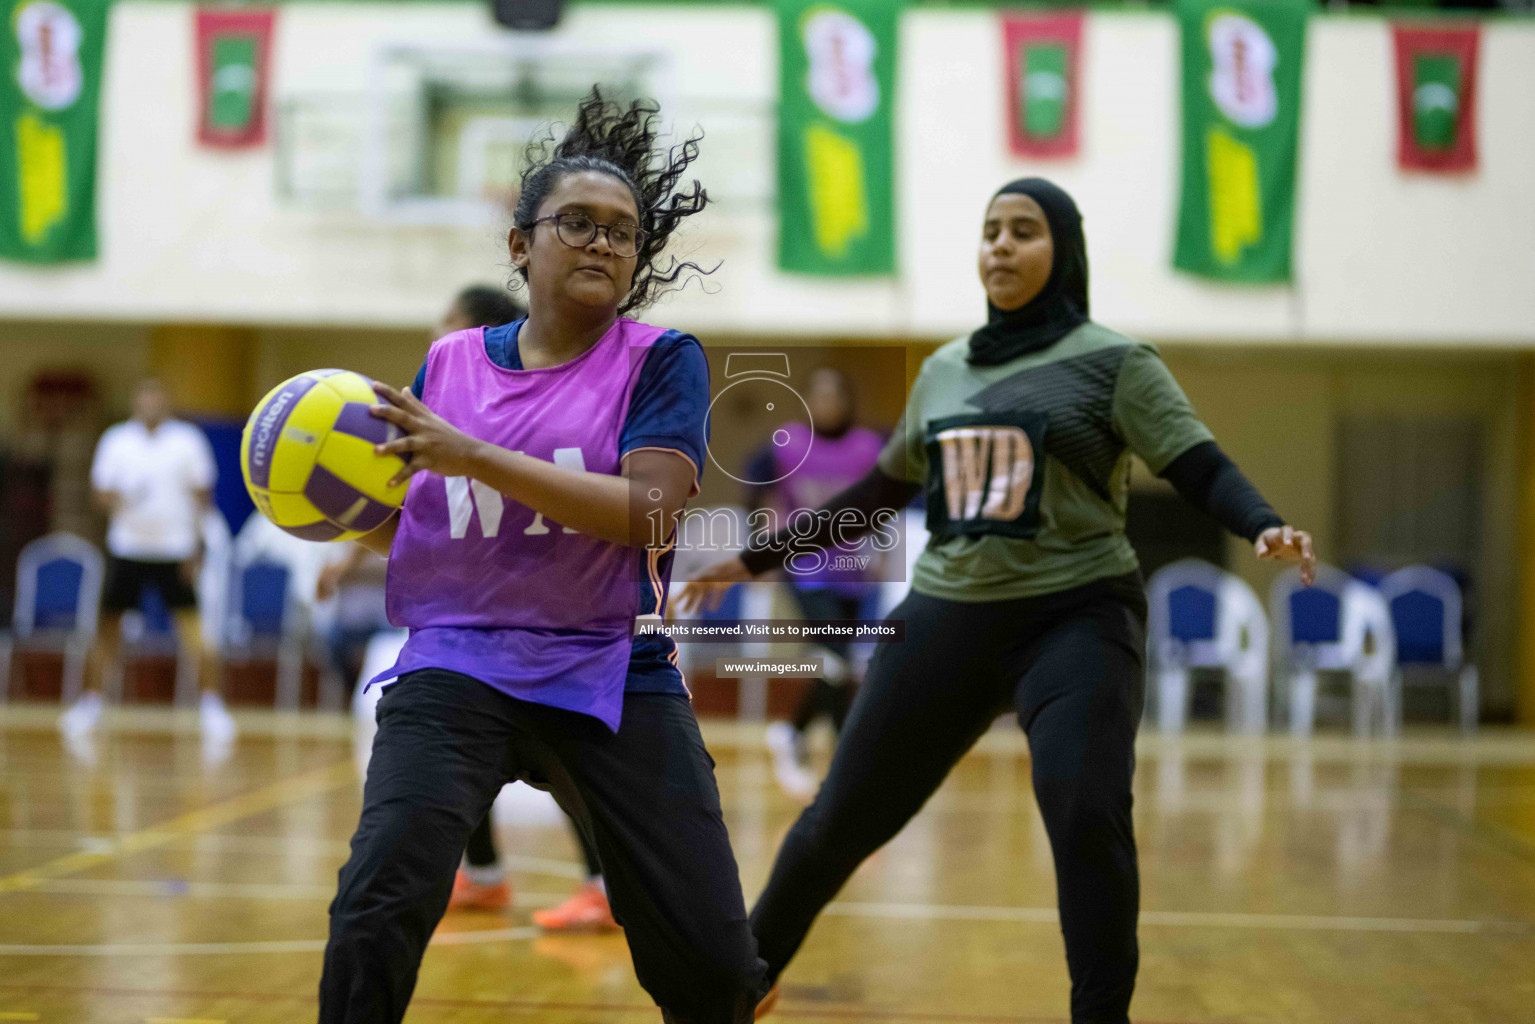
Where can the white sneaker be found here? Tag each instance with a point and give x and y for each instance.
(83, 717)
(788, 749)
(217, 723)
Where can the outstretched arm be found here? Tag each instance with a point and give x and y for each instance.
(874, 492)
(1207, 479)
(333, 575)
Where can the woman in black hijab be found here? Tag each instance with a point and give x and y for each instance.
(1060, 306)
(1027, 598)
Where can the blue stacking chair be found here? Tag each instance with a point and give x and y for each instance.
(1203, 617)
(1426, 612)
(1339, 624)
(266, 623)
(58, 599)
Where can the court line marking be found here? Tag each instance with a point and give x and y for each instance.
(471, 938)
(1175, 918)
(224, 842)
(183, 1020)
(176, 888)
(15, 1015)
(278, 794)
(172, 888)
(1487, 833)
(905, 911)
(263, 846)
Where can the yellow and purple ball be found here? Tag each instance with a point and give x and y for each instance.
(308, 461)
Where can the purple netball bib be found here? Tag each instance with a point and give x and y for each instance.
(487, 586)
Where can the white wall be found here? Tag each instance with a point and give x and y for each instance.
(1380, 255)
(190, 234)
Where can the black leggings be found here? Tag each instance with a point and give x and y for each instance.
(480, 851)
(645, 798)
(1071, 665)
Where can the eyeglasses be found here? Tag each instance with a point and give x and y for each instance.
(577, 231)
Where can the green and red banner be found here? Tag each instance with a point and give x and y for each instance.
(234, 57)
(1241, 127)
(1436, 76)
(1042, 59)
(836, 136)
(49, 101)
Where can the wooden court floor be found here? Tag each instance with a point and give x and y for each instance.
(144, 879)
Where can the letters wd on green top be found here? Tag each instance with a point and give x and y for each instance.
(48, 107)
(1241, 124)
(836, 154)
(1026, 465)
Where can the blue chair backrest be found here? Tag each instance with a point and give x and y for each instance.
(1316, 616)
(1366, 573)
(1191, 614)
(57, 604)
(1419, 622)
(264, 597)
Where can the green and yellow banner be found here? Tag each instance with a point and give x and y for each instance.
(1241, 126)
(836, 140)
(49, 97)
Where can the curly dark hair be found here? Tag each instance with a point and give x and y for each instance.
(620, 141)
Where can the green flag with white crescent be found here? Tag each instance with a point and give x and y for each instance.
(1436, 99)
(1436, 87)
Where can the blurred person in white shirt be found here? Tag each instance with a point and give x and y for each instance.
(154, 476)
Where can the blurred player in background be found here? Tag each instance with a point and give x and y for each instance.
(154, 476)
(1028, 597)
(560, 450)
(803, 467)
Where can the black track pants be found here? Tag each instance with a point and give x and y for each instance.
(644, 797)
(1071, 665)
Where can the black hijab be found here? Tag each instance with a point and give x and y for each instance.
(1061, 305)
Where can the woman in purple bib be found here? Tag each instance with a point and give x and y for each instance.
(549, 459)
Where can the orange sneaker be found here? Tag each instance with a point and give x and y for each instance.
(768, 1002)
(471, 895)
(586, 911)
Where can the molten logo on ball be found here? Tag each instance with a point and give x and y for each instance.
(308, 457)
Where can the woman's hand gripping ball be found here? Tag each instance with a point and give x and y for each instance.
(429, 441)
